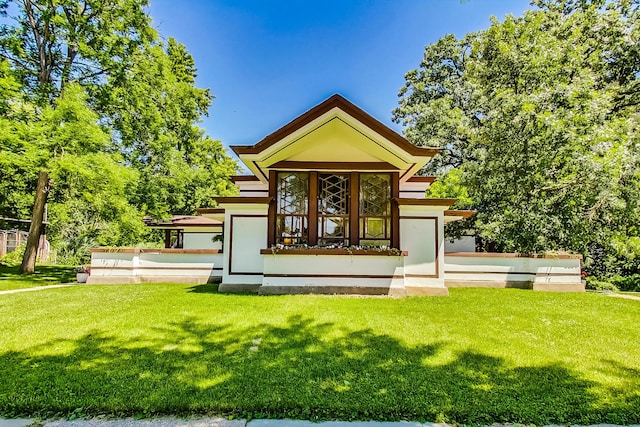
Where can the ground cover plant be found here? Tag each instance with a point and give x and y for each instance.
(44, 275)
(478, 356)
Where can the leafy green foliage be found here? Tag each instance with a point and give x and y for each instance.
(90, 94)
(181, 349)
(539, 119)
(13, 258)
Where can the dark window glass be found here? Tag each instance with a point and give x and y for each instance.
(333, 210)
(375, 210)
(292, 210)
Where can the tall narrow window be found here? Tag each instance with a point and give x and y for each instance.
(375, 210)
(292, 210)
(333, 210)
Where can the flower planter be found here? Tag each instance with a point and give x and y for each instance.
(82, 277)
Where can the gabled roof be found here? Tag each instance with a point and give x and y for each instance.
(334, 125)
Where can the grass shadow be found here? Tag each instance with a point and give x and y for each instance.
(206, 288)
(44, 275)
(304, 369)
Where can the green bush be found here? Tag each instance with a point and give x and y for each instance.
(630, 283)
(600, 284)
(14, 257)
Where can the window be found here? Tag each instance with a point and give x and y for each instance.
(292, 210)
(375, 210)
(173, 238)
(333, 210)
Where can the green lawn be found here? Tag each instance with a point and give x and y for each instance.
(44, 275)
(478, 356)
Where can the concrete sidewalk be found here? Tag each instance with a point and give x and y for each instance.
(221, 422)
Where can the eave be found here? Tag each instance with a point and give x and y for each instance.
(424, 202)
(334, 127)
(457, 215)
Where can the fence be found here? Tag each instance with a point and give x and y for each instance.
(10, 240)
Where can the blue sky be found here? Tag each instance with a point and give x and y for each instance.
(267, 61)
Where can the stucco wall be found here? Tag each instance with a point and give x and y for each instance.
(133, 265)
(355, 273)
(538, 272)
(200, 240)
(463, 244)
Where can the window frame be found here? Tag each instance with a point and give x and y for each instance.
(354, 206)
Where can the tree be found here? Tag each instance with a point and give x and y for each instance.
(139, 90)
(551, 157)
(155, 107)
(56, 43)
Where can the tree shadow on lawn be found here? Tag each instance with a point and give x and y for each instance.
(44, 275)
(303, 370)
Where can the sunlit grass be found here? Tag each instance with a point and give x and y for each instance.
(477, 356)
(44, 275)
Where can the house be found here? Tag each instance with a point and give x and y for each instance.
(332, 205)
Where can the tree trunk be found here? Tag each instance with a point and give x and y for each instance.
(28, 265)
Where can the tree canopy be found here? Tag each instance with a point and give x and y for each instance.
(94, 101)
(539, 118)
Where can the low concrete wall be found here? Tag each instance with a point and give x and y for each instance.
(332, 272)
(538, 272)
(138, 265)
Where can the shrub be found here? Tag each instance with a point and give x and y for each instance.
(630, 283)
(14, 257)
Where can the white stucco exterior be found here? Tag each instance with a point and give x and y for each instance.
(131, 265)
(541, 272)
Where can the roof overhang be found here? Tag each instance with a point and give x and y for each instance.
(457, 215)
(181, 222)
(334, 135)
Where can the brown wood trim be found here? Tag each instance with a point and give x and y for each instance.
(167, 238)
(332, 251)
(333, 166)
(238, 178)
(200, 232)
(100, 267)
(243, 200)
(182, 251)
(425, 202)
(429, 179)
(231, 218)
(218, 225)
(312, 214)
(511, 255)
(491, 272)
(423, 276)
(341, 276)
(463, 213)
(406, 172)
(354, 208)
(322, 108)
(155, 250)
(395, 210)
(271, 215)
(210, 210)
(515, 272)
